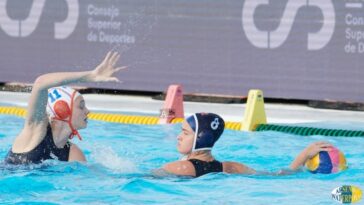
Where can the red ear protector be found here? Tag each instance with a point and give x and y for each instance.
(63, 111)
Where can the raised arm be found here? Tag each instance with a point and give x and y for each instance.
(39, 95)
(309, 152)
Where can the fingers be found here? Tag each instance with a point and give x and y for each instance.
(107, 57)
(323, 144)
(111, 58)
(327, 149)
(114, 58)
(113, 79)
(120, 68)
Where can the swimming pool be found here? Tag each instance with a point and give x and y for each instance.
(121, 157)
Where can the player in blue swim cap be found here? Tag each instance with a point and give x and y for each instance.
(199, 134)
(55, 114)
(208, 128)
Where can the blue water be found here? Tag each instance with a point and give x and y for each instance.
(121, 159)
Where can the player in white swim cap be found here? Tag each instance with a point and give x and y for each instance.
(44, 138)
(60, 106)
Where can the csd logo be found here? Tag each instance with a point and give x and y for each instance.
(275, 39)
(23, 28)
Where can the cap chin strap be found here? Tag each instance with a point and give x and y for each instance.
(73, 130)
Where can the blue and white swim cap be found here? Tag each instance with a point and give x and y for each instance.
(208, 128)
(60, 100)
(60, 106)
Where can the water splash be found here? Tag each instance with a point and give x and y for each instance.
(108, 158)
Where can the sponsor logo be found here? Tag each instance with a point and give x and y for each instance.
(24, 28)
(276, 38)
(346, 194)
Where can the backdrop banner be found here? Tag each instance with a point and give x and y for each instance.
(292, 49)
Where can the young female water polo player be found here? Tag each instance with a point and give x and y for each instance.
(47, 136)
(199, 134)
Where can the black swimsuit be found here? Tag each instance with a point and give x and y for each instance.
(45, 150)
(203, 167)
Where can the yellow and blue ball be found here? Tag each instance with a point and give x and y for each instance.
(326, 162)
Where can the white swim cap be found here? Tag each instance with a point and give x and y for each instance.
(60, 100)
(60, 105)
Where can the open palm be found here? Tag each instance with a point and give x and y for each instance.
(104, 72)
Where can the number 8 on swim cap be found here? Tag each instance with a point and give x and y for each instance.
(215, 124)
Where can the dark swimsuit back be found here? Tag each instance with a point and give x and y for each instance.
(203, 167)
(45, 150)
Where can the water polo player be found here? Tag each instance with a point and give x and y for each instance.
(199, 134)
(54, 114)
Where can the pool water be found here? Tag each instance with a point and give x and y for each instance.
(121, 159)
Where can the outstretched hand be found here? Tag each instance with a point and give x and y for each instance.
(105, 71)
(308, 153)
(317, 147)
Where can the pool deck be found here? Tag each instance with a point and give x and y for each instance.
(276, 113)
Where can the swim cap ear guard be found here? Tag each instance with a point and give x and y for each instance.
(208, 128)
(61, 109)
(60, 106)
